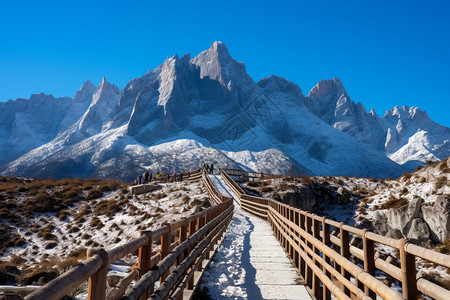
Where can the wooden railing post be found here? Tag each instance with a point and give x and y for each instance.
(369, 261)
(302, 261)
(291, 234)
(408, 267)
(308, 278)
(326, 240)
(201, 223)
(166, 240)
(145, 256)
(192, 229)
(316, 234)
(97, 282)
(209, 217)
(182, 235)
(345, 252)
(296, 253)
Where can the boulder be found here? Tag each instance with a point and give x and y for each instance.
(418, 230)
(400, 218)
(380, 222)
(395, 234)
(302, 198)
(438, 219)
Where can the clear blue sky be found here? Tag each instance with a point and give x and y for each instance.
(387, 53)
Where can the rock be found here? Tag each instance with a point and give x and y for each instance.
(395, 234)
(380, 222)
(418, 230)
(303, 198)
(438, 219)
(113, 280)
(401, 218)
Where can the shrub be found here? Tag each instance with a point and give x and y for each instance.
(266, 189)
(96, 222)
(185, 199)
(440, 182)
(444, 248)
(253, 183)
(51, 245)
(20, 242)
(94, 194)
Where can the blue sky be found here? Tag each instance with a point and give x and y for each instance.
(386, 53)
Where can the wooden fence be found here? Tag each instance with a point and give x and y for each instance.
(248, 176)
(335, 258)
(184, 246)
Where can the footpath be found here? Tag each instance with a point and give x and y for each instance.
(250, 263)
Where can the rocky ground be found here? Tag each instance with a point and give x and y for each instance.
(46, 225)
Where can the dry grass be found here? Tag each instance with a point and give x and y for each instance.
(40, 196)
(440, 182)
(394, 203)
(444, 248)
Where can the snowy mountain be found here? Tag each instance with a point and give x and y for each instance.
(403, 133)
(208, 109)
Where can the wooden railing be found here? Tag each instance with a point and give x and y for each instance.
(192, 175)
(335, 258)
(247, 176)
(214, 195)
(184, 245)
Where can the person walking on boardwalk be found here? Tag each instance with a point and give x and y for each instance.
(211, 168)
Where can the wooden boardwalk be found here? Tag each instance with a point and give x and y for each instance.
(268, 271)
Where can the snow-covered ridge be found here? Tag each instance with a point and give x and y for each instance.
(229, 119)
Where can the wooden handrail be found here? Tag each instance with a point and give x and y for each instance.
(195, 232)
(307, 240)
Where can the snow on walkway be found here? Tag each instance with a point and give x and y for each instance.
(250, 263)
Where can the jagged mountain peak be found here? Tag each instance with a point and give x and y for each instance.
(85, 92)
(217, 63)
(279, 84)
(221, 48)
(326, 87)
(406, 112)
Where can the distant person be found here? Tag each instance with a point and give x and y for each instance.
(158, 175)
(212, 168)
(207, 168)
(150, 177)
(140, 179)
(146, 177)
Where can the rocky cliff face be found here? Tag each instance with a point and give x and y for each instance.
(210, 99)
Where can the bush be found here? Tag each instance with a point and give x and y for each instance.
(94, 194)
(440, 182)
(51, 245)
(444, 248)
(266, 189)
